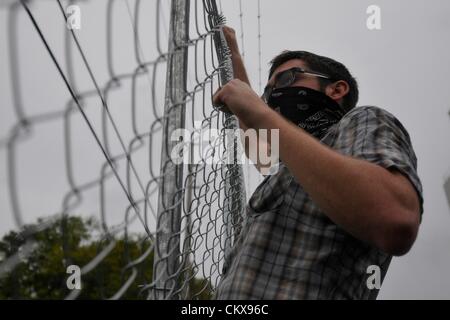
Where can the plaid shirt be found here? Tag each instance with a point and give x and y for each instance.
(289, 249)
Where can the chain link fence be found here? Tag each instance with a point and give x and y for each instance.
(102, 99)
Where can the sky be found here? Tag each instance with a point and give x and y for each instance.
(402, 68)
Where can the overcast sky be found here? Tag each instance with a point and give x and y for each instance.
(402, 68)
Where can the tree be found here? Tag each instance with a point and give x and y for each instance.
(76, 241)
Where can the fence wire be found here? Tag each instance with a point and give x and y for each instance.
(88, 150)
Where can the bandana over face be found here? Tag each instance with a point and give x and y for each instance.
(307, 108)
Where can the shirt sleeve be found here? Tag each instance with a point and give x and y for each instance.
(375, 135)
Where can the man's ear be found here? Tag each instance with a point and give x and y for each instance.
(337, 90)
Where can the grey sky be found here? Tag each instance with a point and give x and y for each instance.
(403, 68)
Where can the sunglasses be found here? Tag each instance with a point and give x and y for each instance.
(287, 78)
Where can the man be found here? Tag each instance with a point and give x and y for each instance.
(346, 197)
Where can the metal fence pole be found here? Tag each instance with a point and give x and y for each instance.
(234, 185)
(167, 249)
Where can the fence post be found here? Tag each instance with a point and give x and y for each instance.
(167, 249)
(234, 185)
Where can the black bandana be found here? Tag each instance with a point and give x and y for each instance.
(309, 109)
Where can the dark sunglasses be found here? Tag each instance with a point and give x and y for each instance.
(288, 77)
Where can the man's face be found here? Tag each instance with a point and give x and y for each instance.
(302, 80)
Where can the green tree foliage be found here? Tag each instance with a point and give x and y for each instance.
(76, 241)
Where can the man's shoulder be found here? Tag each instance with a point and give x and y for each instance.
(367, 112)
(366, 116)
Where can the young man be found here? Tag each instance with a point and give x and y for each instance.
(345, 199)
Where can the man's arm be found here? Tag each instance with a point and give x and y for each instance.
(241, 73)
(372, 203)
(236, 58)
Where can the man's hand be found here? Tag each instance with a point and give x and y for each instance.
(241, 100)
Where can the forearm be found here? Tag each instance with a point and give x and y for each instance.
(241, 74)
(239, 68)
(355, 194)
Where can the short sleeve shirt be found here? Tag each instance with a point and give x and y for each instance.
(289, 249)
